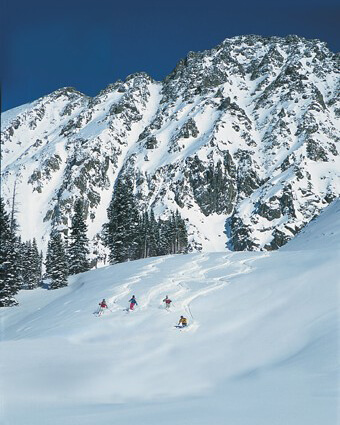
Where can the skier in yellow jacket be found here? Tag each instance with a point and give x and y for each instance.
(183, 322)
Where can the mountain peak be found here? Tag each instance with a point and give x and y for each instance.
(139, 76)
(241, 139)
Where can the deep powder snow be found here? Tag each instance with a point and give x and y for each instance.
(261, 346)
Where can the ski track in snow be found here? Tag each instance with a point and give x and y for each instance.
(185, 286)
(126, 288)
(188, 282)
(261, 340)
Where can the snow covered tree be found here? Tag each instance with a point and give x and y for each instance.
(78, 248)
(56, 261)
(10, 279)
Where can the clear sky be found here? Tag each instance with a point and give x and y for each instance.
(88, 44)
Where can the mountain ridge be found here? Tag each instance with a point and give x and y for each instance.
(244, 133)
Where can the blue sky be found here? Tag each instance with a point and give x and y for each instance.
(89, 44)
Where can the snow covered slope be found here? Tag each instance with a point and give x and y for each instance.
(321, 232)
(242, 139)
(261, 347)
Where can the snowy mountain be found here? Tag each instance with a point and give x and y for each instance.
(241, 139)
(260, 347)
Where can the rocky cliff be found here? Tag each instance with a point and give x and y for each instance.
(242, 139)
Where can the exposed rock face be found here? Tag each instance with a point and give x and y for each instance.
(246, 133)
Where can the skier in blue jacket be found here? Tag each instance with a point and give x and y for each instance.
(132, 302)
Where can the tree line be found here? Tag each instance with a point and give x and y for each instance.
(131, 235)
(21, 263)
(128, 234)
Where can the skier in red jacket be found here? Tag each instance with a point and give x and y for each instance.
(102, 306)
(167, 302)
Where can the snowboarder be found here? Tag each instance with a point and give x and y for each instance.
(182, 322)
(167, 302)
(132, 302)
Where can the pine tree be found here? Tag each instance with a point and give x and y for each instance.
(30, 265)
(147, 239)
(35, 265)
(162, 247)
(36, 262)
(168, 235)
(21, 249)
(48, 258)
(181, 234)
(173, 233)
(40, 269)
(78, 249)
(144, 235)
(173, 238)
(9, 257)
(56, 262)
(121, 233)
(154, 236)
(130, 235)
(132, 225)
(25, 263)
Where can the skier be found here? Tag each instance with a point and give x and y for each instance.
(102, 306)
(182, 322)
(167, 302)
(132, 302)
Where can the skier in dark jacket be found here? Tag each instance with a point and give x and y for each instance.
(132, 302)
